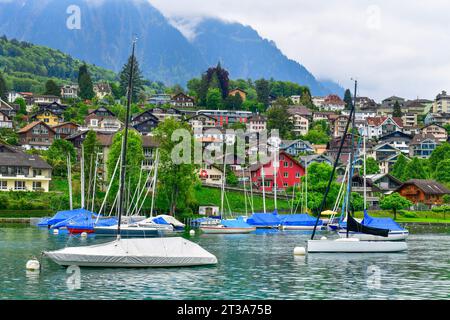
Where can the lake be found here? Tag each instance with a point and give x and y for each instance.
(254, 266)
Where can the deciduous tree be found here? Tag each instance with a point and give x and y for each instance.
(394, 202)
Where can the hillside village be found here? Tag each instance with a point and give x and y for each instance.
(399, 134)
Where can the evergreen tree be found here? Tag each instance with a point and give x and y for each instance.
(215, 78)
(348, 99)
(3, 88)
(399, 168)
(85, 83)
(278, 118)
(51, 88)
(138, 81)
(397, 110)
(263, 91)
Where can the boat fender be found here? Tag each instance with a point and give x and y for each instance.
(33, 265)
(323, 238)
(299, 251)
(192, 233)
(55, 231)
(84, 235)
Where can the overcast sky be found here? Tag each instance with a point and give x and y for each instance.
(394, 47)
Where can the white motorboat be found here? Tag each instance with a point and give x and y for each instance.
(392, 236)
(354, 245)
(134, 253)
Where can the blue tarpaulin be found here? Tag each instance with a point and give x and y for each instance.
(65, 215)
(160, 220)
(235, 223)
(264, 220)
(381, 223)
(298, 220)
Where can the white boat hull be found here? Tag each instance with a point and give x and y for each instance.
(300, 227)
(393, 236)
(135, 253)
(354, 245)
(224, 230)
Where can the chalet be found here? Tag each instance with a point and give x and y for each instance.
(380, 126)
(386, 155)
(322, 115)
(70, 91)
(147, 126)
(201, 121)
(315, 158)
(427, 192)
(47, 116)
(45, 99)
(339, 124)
(397, 139)
(439, 132)
(296, 147)
(149, 144)
(438, 118)
(240, 92)
(102, 119)
(332, 102)
(422, 145)
(140, 117)
(55, 107)
(372, 190)
(296, 99)
(211, 175)
(387, 105)
(163, 113)
(160, 99)
(333, 148)
(385, 182)
(257, 123)
(20, 171)
(8, 109)
(65, 129)
(5, 120)
(102, 90)
(182, 100)
(365, 103)
(36, 135)
(289, 173)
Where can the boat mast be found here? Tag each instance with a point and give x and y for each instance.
(82, 176)
(275, 171)
(155, 180)
(365, 178)
(306, 187)
(263, 188)
(69, 178)
(222, 195)
(95, 182)
(352, 158)
(125, 140)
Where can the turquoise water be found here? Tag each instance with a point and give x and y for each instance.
(254, 266)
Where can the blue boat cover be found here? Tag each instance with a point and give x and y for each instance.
(64, 215)
(43, 222)
(264, 220)
(299, 220)
(381, 223)
(160, 220)
(235, 223)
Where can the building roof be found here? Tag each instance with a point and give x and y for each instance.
(65, 123)
(420, 137)
(429, 187)
(16, 157)
(301, 110)
(30, 126)
(257, 117)
(149, 142)
(378, 121)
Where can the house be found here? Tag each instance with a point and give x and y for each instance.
(316, 158)
(439, 132)
(163, 113)
(441, 119)
(211, 175)
(55, 107)
(296, 99)
(144, 115)
(8, 108)
(147, 126)
(20, 171)
(322, 115)
(45, 99)
(289, 173)
(13, 96)
(70, 91)
(47, 116)
(372, 190)
(182, 100)
(334, 144)
(380, 126)
(240, 92)
(257, 123)
(427, 192)
(36, 135)
(422, 145)
(417, 106)
(442, 103)
(209, 211)
(149, 144)
(227, 117)
(296, 147)
(409, 120)
(339, 124)
(102, 90)
(299, 116)
(332, 102)
(385, 182)
(361, 115)
(387, 105)
(386, 155)
(160, 99)
(102, 119)
(365, 103)
(200, 122)
(318, 101)
(65, 129)
(398, 140)
(5, 120)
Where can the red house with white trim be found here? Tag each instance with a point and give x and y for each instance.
(289, 173)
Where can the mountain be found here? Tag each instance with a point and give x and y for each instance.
(164, 52)
(27, 67)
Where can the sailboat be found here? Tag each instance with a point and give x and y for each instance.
(352, 244)
(133, 253)
(227, 226)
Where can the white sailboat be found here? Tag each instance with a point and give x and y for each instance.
(352, 244)
(132, 253)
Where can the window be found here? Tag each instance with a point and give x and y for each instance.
(286, 175)
(37, 185)
(3, 185)
(94, 122)
(37, 172)
(19, 185)
(286, 164)
(297, 175)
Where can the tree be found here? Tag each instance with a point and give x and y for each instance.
(348, 99)
(397, 110)
(278, 118)
(91, 148)
(394, 202)
(316, 137)
(262, 91)
(22, 106)
(443, 171)
(372, 166)
(415, 170)
(357, 201)
(57, 155)
(176, 181)
(138, 81)
(51, 88)
(214, 78)
(3, 88)
(447, 127)
(439, 154)
(85, 83)
(233, 102)
(214, 99)
(399, 168)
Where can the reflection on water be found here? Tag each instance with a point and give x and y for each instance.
(260, 265)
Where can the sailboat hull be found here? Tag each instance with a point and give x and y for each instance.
(135, 253)
(353, 245)
(393, 236)
(306, 228)
(127, 232)
(224, 230)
